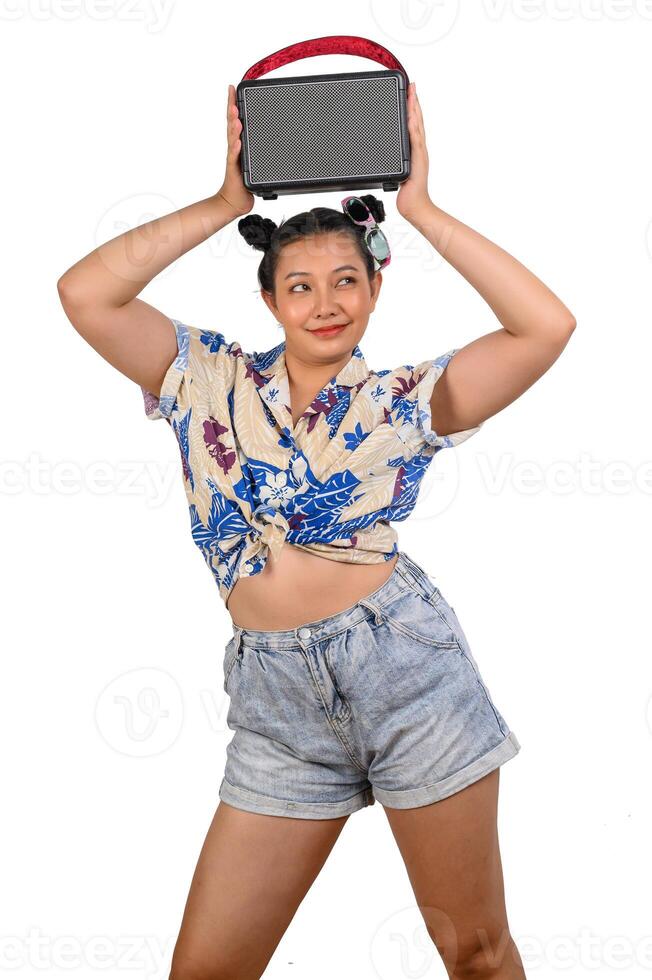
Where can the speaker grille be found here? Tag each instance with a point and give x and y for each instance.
(304, 132)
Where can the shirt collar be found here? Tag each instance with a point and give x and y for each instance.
(270, 374)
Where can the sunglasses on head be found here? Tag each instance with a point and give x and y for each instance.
(375, 240)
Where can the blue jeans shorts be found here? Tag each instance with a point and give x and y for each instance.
(382, 701)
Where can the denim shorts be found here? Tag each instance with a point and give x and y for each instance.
(382, 701)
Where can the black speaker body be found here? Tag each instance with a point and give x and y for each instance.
(337, 132)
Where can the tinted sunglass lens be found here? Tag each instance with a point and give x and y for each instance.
(357, 210)
(378, 244)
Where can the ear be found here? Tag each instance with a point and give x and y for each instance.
(269, 301)
(375, 285)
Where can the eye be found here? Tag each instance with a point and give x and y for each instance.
(350, 278)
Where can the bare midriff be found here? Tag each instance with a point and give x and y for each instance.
(301, 587)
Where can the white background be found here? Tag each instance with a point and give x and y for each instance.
(537, 530)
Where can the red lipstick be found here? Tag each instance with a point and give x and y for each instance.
(329, 331)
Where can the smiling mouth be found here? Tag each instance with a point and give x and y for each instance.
(332, 329)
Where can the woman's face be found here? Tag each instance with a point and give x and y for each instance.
(322, 281)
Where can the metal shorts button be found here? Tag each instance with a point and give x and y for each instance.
(304, 632)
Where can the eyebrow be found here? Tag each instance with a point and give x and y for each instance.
(340, 268)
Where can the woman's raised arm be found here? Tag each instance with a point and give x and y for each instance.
(492, 371)
(99, 292)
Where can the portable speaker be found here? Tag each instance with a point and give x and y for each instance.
(336, 132)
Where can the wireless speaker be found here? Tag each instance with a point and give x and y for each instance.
(338, 132)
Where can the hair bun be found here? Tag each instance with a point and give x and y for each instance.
(375, 205)
(257, 231)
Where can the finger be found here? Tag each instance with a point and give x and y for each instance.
(413, 106)
(236, 112)
(418, 109)
(233, 147)
(417, 124)
(233, 132)
(410, 105)
(234, 122)
(230, 104)
(235, 126)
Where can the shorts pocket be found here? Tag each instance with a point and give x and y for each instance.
(419, 619)
(449, 616)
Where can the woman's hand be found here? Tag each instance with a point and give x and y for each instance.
(413, 195)
(233, 190)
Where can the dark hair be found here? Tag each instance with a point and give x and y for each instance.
(263, 234)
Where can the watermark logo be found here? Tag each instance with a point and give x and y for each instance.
(648, 239)
(415, 22)
(154, 14)
(402, 946)
(138, 213)
(140, 713)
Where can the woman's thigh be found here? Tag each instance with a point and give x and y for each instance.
(252, 874)
(452, 857)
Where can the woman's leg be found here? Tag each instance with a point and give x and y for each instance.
(252, 874)
(452, 857)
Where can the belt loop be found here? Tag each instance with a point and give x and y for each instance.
(238, 639)
(418, 577)
(379, 616)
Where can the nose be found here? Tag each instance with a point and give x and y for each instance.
(325, 309)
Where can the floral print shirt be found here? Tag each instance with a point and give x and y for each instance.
(330, 485)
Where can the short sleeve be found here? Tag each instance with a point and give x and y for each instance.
(429, 373)
(200, 360)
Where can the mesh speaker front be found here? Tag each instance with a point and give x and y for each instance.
(337, 128)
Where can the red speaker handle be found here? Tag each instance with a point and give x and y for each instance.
(363, 47)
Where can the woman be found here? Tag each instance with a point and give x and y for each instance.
(349, 674)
